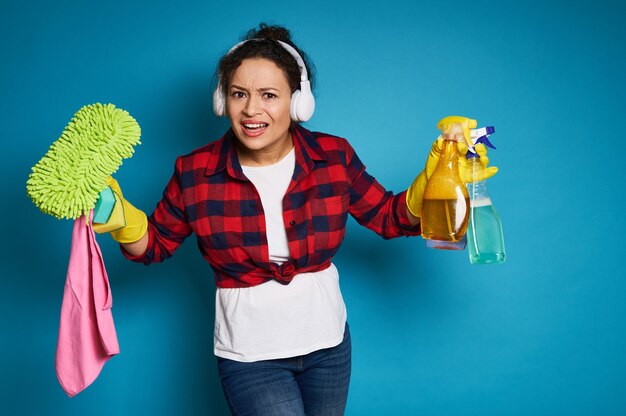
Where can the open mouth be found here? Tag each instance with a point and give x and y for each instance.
(254, 129)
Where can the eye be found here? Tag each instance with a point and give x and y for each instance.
(269, 95)
(237, 94)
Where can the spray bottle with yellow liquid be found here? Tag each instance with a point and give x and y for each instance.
(446, 206)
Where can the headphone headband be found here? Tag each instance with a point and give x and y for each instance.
(304, 75)
(302, 100)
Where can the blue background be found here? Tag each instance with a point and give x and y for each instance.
(542, 334)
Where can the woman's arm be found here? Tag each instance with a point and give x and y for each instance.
(142, 241)
(138, 247)
(412, 218)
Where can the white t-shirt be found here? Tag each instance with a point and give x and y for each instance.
(273, 320)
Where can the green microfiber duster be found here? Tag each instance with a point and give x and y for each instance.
(66, 182)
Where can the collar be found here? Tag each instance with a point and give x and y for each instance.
(223, 155)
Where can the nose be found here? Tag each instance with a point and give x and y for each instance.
(253, 105)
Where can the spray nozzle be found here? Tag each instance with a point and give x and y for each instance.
(480, 136)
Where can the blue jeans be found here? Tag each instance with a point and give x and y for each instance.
(313, 384)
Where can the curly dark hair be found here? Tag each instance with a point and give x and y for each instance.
(266, 46)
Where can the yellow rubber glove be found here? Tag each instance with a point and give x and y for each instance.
(134, 224)
(415, 193)
(466, 171)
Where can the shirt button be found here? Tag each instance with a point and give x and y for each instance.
(292, 223)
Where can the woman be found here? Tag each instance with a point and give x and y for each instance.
(268, 203)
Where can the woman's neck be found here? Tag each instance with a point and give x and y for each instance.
(264, 156)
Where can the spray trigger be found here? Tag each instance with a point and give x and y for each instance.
(481, 136)
(484, 140)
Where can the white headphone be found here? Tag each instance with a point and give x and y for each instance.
(302, 100)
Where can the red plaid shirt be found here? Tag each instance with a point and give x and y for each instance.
(209, 195)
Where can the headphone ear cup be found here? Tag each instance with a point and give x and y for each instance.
(302, 103)
(293, 107)
(219, 104)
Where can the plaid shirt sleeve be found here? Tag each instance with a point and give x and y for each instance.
(167, 226)
(374, 207)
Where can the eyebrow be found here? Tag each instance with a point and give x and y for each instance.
(258, 89)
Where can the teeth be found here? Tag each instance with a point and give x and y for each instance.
(254, 126)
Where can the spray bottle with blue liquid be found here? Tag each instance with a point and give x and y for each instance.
(484, 232)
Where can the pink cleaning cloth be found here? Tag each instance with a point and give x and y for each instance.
(87, 337)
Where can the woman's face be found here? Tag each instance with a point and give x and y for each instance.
(257, 104)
